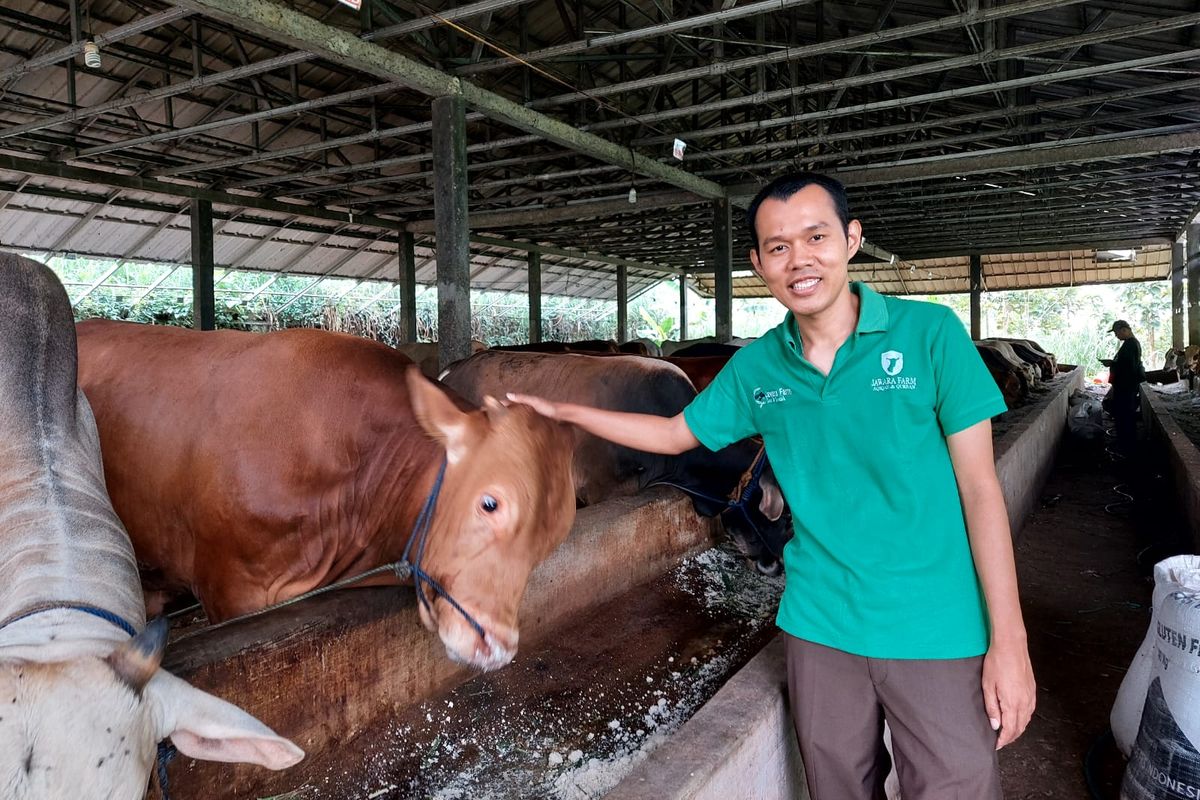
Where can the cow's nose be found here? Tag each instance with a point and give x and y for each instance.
(769, 566)
(463, 643)
(495, 651)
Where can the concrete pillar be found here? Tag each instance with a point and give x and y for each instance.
(453, 232)
(408, 287)
(1193, 283)
(535, 297)
(622, 304)
(723, 276)
(683, 298)
(1178, 306)
(204, 305)
(976, 296)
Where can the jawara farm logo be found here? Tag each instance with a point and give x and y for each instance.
(892, 362)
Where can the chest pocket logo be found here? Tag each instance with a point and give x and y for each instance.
(892, 362)
(770, 396)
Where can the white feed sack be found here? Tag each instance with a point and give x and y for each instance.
(1169, 576)
(1166, 755)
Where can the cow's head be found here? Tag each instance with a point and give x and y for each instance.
(88, 726)
(508, 500)
(763, 527)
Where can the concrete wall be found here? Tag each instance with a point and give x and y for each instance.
(1025, 453)
(740, 743)
(1183, 458)
(326, 669)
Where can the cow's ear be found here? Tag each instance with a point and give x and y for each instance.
(438, 415)
(494, 409)
(772, 503)
(206, 727)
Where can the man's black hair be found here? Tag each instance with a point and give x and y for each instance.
(783, 187)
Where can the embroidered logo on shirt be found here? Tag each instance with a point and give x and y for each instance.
(893, 362)
(767, 396)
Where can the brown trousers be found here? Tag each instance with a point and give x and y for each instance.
(944, 746)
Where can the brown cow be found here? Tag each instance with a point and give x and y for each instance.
(604, 469)
(701, 370)
(589, 346)
(426, 354)
(250, 468)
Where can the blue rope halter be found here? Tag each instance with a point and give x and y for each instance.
(95, 611)
(412, 566)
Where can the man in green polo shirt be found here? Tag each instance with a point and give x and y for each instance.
(901, 595)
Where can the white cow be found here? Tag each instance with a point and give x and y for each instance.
(82, 705)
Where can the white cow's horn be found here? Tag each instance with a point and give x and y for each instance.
(136, 661)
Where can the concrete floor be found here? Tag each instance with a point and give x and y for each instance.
(1084, 574)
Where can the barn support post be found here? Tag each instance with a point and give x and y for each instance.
(1193, 283)
(535, 297)
(723, 274)
(407, 252)
(1178, 307)
(204, 306)
(453, 233)
(683, 321)
(976, 296)
(622, 303)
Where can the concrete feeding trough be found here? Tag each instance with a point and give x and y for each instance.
(1182, 456)
(329, 668)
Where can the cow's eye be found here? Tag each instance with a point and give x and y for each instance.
(489, 503)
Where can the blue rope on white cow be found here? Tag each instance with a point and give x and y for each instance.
(166, 754)
(95, 611)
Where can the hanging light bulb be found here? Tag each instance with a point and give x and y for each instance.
(91, 54)
(632, 194)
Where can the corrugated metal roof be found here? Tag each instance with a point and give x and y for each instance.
(1001, 272)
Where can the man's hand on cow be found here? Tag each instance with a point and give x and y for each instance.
(544, 407)
(1009, 690)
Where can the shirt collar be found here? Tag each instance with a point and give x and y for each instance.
(872, 315)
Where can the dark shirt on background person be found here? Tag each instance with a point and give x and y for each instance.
(1126, 373)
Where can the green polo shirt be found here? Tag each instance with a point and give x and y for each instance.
(880, 565)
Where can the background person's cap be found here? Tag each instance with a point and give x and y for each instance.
(1116, 326)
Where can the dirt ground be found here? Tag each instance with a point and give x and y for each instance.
(1084, 559)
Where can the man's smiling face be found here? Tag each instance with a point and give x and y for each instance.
(803, 252)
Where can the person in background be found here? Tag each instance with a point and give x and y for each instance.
(901, 596)
(1126, 375)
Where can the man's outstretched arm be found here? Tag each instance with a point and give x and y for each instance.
(647, 432)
